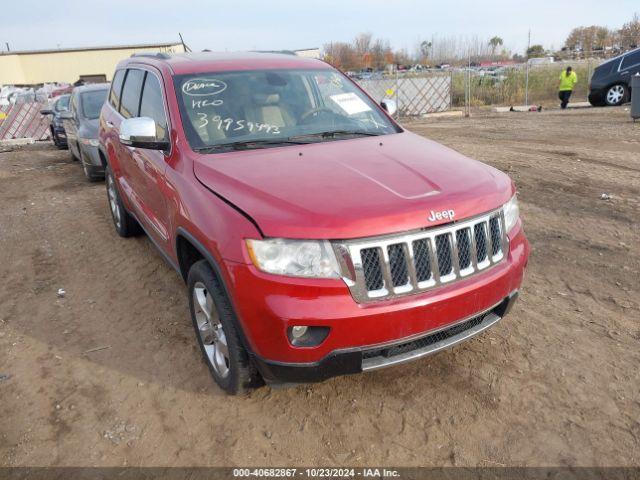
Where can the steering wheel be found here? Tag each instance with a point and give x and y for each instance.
(315, 111)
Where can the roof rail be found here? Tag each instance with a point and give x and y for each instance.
(162, 55)
(283, 52)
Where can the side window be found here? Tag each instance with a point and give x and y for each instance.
(116, 89)
(130, 101)
(72, 103)
(630, 60)
(152, 105)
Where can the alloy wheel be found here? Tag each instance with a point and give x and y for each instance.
(210, 330)
(615, 94)
(113, 200)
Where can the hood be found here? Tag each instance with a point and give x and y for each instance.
(353, 188)
(88, 128)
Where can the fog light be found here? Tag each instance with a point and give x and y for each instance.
(298, 331)
(304, 336)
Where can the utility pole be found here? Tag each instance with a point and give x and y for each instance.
(526, 81)
(7, 44)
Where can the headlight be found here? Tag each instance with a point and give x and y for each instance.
(296, 258)
(92, 142)
(511, 213)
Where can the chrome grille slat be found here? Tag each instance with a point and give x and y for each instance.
(396, 265)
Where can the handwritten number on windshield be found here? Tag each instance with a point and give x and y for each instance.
(229, 123)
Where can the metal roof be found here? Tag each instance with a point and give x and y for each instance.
(90, 49)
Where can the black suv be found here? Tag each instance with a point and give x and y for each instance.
(58, 135)
(610, 83)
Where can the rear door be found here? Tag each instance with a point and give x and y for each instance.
(110, 123)
(129, 108)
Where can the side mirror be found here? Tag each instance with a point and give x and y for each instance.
(67, 115)
(46, 111)
(389, 105)
(140, 132)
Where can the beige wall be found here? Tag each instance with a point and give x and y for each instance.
(33, 68)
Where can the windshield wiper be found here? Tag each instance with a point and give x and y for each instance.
(335, 133)
(249, 144)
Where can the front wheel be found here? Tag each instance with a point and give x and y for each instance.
(617, 95)
(125, 224)
(54, 137)
(215, 325)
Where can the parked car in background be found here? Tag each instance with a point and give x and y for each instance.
(316, 236)
(58, 134)
(610, 82)
(81, 126)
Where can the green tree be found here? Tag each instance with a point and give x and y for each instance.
(535, 51)
(494, 43)
(425, 49)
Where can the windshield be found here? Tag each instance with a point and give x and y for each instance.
(63, 103)
(92, 103)
(270, 107)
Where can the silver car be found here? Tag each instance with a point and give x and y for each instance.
(81, 125)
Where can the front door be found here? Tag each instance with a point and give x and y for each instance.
(153, 162)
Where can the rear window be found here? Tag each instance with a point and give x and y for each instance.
(631, 60)
(92, 102)
(606, 69)
(63, 103)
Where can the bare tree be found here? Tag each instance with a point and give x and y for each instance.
(362, 43)
(630, 33)
(588, 39)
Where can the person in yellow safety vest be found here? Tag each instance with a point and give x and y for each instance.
(568, 79)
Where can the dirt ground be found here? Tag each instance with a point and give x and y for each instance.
(110, 374)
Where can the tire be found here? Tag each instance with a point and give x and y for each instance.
(617, 95)
(92, 178)
(215, 323)
(124, 223)
(88, 172)
(73, 155)
(54, 137)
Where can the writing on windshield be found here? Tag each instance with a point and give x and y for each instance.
(221, 108)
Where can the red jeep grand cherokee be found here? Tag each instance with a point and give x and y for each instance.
(316, 236)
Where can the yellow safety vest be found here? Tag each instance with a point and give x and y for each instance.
(567, 81)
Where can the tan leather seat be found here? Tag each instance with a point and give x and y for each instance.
(266, 108)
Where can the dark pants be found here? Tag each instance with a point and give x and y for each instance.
(564, 96)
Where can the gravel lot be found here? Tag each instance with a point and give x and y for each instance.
(110, 373)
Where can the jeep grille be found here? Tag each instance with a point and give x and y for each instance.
(396, 265)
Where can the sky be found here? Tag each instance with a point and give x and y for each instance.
(290, 24)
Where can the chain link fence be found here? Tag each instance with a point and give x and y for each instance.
(438, 91)
(415, 94)
(508, 86)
